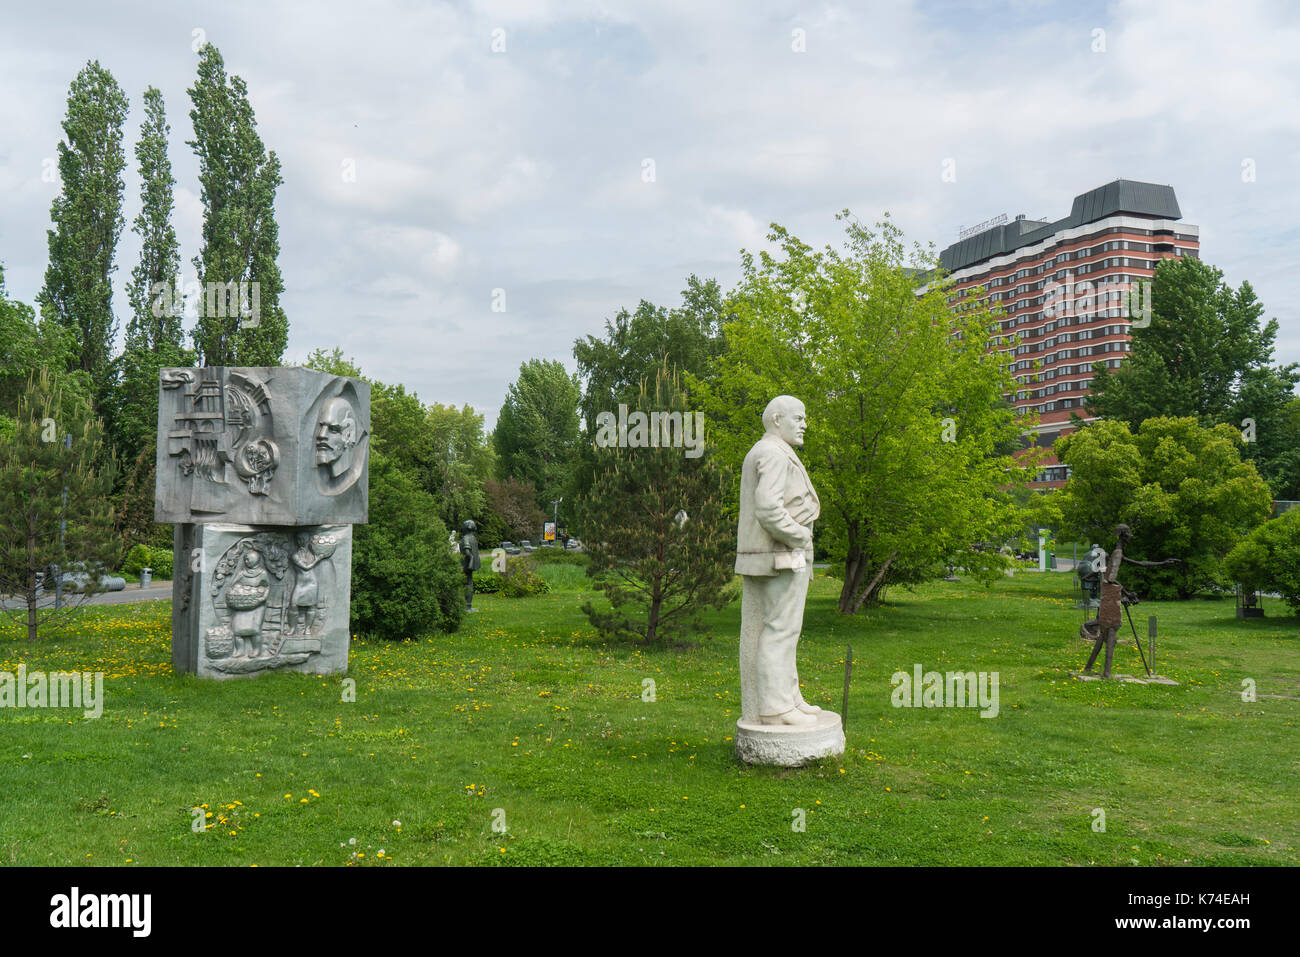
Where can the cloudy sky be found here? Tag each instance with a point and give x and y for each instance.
(507, 145)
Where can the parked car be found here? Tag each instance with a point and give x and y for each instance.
(511, 548)
(526, 545)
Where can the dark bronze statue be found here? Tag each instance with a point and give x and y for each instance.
(1104, 629)
(469, 560)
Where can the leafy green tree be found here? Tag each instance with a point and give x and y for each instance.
(406, 583)
(1268, 559)
(510, 512)
(51, 472)
(635, 345)
(462, 462)
(908, 442)
(87, 218)
(1182, 488)
(405, 580)
(333, 362)
(240, 236)
(27, 344)
(1207, 354)
(536, 434)
(662, 547)
(1268, 413)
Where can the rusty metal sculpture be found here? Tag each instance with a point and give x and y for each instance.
(1115, 600)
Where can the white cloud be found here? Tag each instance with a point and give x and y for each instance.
(522, 170)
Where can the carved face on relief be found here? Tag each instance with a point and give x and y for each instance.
(336, 435)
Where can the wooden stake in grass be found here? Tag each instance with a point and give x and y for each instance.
(844, 703)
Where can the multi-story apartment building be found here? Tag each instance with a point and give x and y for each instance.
(1070, 290)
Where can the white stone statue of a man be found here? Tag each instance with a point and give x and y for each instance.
(778, 506)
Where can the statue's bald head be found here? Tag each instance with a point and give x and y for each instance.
(785, 417)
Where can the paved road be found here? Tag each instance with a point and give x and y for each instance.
(133, 592)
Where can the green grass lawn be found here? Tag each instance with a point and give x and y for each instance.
(525, 715)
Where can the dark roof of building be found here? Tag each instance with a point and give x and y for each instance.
(1121, 196)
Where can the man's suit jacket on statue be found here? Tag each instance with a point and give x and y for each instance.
(776, 499)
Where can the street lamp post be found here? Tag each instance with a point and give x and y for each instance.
(63, 527)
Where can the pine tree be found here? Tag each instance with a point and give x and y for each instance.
(53, 449)
(87, 218)
(662, 547)
(240, 236)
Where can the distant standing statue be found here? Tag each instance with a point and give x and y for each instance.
(469, 560)
(1089, 572)
(1104, 629)
(778, 506)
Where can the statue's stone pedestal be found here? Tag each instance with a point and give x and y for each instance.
(790, 746)
(247, 599)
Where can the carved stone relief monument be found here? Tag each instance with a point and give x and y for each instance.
(267, 446)
(778, 506)
(262, 597)
(263, 471)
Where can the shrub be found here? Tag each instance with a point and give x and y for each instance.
(488, 582)
(521, 580)
(137, 558)
(1268, 559)
(405, 580)
(158, 560)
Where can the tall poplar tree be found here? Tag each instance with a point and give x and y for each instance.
(240, 235)
(154, 335)
(87, 219)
